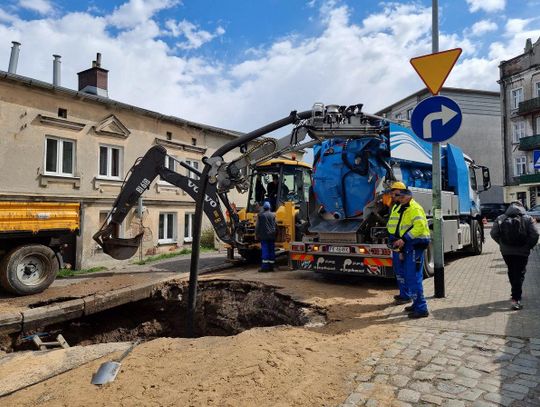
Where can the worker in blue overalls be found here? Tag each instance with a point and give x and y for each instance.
(411, 236)
(397, 264)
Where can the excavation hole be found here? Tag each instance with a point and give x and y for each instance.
(224, 307)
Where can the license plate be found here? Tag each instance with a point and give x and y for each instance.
(339, 249)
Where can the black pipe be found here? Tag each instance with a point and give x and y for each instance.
(197, 221)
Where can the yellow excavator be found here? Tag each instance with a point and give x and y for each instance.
(285, 183)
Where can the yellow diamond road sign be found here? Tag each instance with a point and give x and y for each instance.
(433, 69)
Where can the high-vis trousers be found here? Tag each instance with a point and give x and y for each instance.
(268, 254)
(414, 277)
(399, 270)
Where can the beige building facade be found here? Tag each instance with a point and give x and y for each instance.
(62, 145)
(520, 104)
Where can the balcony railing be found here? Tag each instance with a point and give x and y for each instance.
(529, 179)
(529, 143)
(529, 106)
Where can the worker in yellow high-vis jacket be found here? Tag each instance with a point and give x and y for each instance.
(403, 297)
(410, 234)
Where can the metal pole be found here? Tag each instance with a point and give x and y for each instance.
(438, 252)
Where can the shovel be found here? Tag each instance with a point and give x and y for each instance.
(108, 370)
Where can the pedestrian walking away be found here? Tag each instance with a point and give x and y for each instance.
(397, 263)
(265, 232)
(411, 236)
(515, 233)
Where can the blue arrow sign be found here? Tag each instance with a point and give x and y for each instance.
(436, 119)
(536, 159)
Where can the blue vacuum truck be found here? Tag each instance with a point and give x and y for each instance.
(348, 206)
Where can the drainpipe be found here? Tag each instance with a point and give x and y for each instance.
(14, 58)
(56, 70)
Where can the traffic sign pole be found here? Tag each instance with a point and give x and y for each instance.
(438, 252)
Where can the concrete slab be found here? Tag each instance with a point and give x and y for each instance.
(10, 322)
(65, 311)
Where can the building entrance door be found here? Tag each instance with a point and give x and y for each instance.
(522, 197)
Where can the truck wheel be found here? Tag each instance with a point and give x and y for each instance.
(476, 239)
(429, 262)
(28, 269)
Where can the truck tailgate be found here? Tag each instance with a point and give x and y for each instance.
(37, 216)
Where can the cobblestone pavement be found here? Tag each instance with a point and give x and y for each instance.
(431, 367)
(472, 350)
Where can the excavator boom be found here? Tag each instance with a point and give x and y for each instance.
(141, 176)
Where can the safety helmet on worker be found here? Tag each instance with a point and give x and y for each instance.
(398, 185)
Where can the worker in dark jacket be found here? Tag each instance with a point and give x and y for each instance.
(515, 249)
(265, 232)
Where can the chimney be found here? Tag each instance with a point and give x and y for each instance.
(94, 80)
(14, 58)
(528, 46)
(56, 70)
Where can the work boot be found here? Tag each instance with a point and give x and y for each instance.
(408, 308)
(417, 315)
(516, 305)
(400, 301)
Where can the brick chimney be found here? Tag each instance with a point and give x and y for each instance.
(94, 80)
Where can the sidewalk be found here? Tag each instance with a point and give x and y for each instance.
(478, 296)
(471, 351)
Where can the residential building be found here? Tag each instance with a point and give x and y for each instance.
(62, 145)
(520, 104)
(479, 135)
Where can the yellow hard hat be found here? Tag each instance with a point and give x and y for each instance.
(398, 185)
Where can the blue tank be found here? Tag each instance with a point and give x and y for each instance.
(346, 174)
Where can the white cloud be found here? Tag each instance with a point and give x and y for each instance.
(364, 61)
(43, 7)
(195, 37)
(5, 17)
(484, 26)
(486, 5)
(138, 11)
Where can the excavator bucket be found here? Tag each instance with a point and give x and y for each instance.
(122, 249)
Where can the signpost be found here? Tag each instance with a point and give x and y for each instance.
(436, 121)
(536, 159)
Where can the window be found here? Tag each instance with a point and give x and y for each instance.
(537, 125)
(518, 130)
(194, 164)
(193, 141)
(170, 163)
(103, 216)
(398, 116)
(409, 114)
(109, 162)
(167, 228)
(520, 165)
(537, 89)
(188, 227)
(59, 157)
(169, 135)
(62, 113)
(517, 96)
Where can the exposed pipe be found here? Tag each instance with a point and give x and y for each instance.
(14, 58)
(56, 70)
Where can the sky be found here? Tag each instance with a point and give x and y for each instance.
(240, 64)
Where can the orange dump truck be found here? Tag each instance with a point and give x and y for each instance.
(33, 238)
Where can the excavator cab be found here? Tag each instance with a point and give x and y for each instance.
(285, 185)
